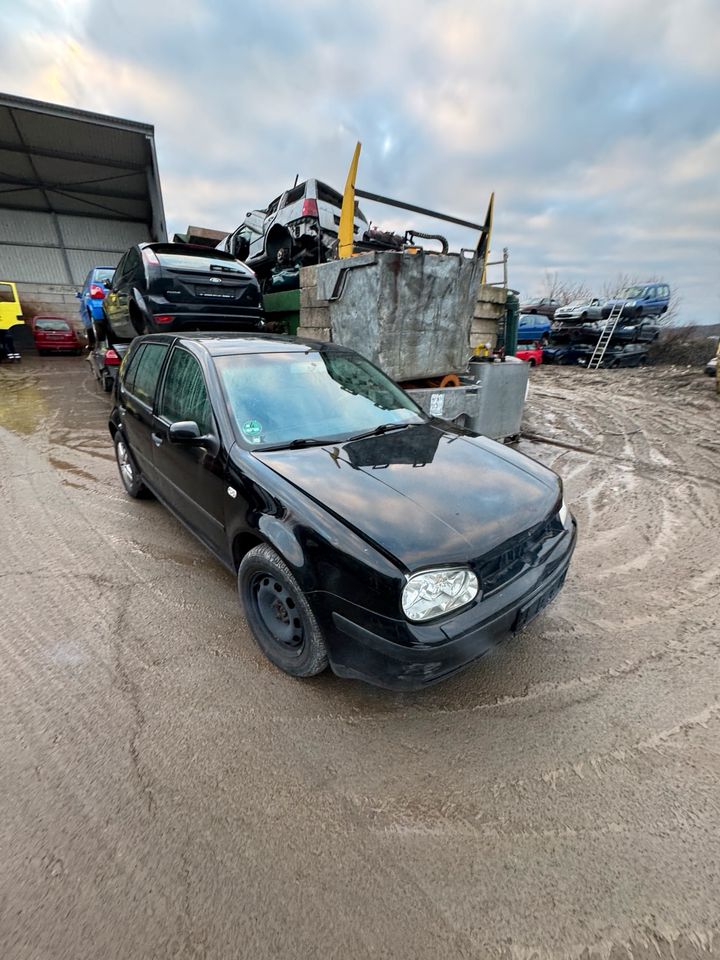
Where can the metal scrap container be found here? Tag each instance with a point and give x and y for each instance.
(409, 313)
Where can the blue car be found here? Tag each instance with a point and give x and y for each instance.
(641, 300)
(92, 295)
(533, 327)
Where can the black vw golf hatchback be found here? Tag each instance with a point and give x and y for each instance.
(364, 535)
(159, 287)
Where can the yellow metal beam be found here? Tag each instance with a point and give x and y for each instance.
(484, 245)
(347, 214)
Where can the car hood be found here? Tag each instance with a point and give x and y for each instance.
(424, 495)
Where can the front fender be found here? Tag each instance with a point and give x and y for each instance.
(322, 552)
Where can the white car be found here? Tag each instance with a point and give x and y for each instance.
(303, 221)
(581, 310)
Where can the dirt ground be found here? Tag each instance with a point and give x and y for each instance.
(166, 793)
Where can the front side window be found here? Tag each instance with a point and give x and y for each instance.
(6, 293)
(147, 371)
(275, 398)
(185, 395)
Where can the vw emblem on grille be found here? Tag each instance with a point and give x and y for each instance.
(215, 280)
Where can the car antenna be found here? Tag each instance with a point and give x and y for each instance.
(297, 177)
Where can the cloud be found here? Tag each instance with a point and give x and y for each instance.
(596, 124)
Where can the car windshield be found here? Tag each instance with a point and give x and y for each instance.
(200, 260)
(277, 398)
(51, 324)
(633, 292)
(103, 274)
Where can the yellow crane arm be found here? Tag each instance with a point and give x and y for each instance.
(347, 214)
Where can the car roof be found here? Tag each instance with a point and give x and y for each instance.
(233, 344)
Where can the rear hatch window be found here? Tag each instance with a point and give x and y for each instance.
(56, 325)
(191, 261)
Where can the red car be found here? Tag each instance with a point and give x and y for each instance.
(533, 354)
(53, 334)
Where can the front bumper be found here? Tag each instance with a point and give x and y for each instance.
(400, 655)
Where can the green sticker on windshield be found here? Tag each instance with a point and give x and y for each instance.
(252, 429)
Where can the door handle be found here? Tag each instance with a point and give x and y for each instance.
(157, 439)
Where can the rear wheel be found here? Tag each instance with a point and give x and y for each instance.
(129, 473)
(279, 616)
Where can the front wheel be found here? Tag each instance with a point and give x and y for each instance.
(129, 473)
(279, 616)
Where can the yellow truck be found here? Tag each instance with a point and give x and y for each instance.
(10, 316)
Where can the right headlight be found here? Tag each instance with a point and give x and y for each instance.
(435, 592)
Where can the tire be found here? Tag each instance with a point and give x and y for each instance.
(279, 615)
(129, 473)
(107, 384)
(533, 362)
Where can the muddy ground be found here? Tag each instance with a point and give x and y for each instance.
(167, 793)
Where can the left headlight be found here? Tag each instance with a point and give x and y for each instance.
(435, 592)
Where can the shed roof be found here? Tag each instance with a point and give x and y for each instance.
(60, 160)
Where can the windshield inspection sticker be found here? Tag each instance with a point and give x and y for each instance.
(437, 404)
(252, 430)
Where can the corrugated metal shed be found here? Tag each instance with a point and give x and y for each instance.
(76, 190)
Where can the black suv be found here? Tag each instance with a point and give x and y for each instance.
(159, 287)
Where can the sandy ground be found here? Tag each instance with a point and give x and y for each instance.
(166, 793)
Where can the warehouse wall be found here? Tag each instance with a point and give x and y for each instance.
(49, 256)
(47, 248)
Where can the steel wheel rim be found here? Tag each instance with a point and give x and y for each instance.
(126, 470)
(277, 612)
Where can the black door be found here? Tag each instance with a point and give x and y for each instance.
(190, 478)
(117, 302)
(136, 396)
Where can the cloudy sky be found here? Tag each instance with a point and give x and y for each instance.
(597, 123)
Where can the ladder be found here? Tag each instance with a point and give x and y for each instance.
(605, 336)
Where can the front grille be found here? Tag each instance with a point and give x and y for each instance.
(509, 560)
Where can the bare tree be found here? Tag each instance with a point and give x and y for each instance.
(564, 291)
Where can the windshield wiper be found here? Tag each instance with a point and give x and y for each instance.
(298, 442)
(383, 428)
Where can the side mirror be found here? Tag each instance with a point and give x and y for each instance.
(107, 284)
(185, 432)
(78, 294)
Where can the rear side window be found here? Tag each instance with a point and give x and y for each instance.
(130, 365)
(147, 371)
(295, 194)
(328, 195)
(6, 293)
(185, 395)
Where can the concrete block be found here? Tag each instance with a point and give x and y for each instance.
(314, 317)
(488, 294)
(315, 333)
(309, 299)
(308, 276)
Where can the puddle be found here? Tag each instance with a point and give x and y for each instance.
(70, 468)
(22, 405)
